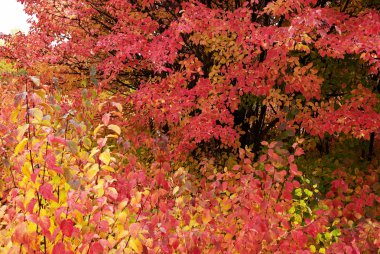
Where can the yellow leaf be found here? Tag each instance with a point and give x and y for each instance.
(87, 142)
(36, 81)
(41, 93)
(97, 129)
(118, 106)
(99, 189)
(108, 168)
(93, 170)
(175, 190)
(93, 152)
(123, 233)
(136, 199)
(26, 169)
(21, 131)
(14, 115)
(20, 146)
(122, 205)
(225, 205)
(105, 157)
(228, 237)
(136, 245)
(36, 113)
(193, 222)
(100, 106)
(31, 227)
(73, 146)
(115, 128)
(206, 218)
(112, 192)
(112, 136)
(47, 107)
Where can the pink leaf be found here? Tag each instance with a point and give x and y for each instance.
(134, 229)
(50, 159)
(46, 190)
(96, 248)
(20, 234)
(44, 223)
(106, 119)
(67, 227)
(101, 142)
(294, 170)
(103, 226)
(52, 139)
(299, 151)
(34, 175)
(31, 205)
(291, 158)
(59, 248)
(51, 163)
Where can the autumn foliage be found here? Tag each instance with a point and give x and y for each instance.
(191, 127)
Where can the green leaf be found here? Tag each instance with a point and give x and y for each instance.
(336, 232)
(308, 192)
(298, 192)
(328, 236)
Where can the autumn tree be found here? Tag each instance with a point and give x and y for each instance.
(262, 49)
